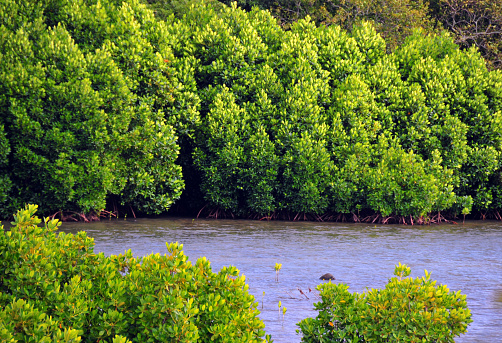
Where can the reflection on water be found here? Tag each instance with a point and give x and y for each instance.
(465, 257)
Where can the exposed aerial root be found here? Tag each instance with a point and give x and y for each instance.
(66, 216)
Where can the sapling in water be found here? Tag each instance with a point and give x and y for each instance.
(278, 267)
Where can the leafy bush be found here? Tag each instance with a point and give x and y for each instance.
(53, 286)
(21, 322)
(85, 87)
(259, 121)
(342, 125)
(394, 20)
(471, 23)
(406, 310)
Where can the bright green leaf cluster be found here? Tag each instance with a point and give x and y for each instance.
(54, 288)
(406, 310)
(84, 90)
(316, 120)
(102, 102)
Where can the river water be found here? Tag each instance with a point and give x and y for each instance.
(464, 257)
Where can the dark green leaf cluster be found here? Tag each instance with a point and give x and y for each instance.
(54, 288)
(84, 88)
(406, 310)
(315, 119)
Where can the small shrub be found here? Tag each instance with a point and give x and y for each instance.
(406, 310)
(54, 288)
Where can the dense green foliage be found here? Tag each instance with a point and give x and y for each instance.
(471, 22)
(316, 120)
(102, 102)
(393, 19)
(406, 310)
(54, 288)
(86, 89)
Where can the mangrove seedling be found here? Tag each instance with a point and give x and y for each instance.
(262, 296)
(278, 267)
(280, 308)
(284, 309)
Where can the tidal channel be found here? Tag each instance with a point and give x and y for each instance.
(465, 257)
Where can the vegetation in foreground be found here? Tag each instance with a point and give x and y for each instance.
(234, 114)
(54, 288)
(406, 310)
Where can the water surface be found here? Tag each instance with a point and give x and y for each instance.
(464, 257)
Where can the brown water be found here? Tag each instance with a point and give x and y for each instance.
(464, 257)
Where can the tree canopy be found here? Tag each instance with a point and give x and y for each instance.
(104, 103)
(471, 22)
(84, 90)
